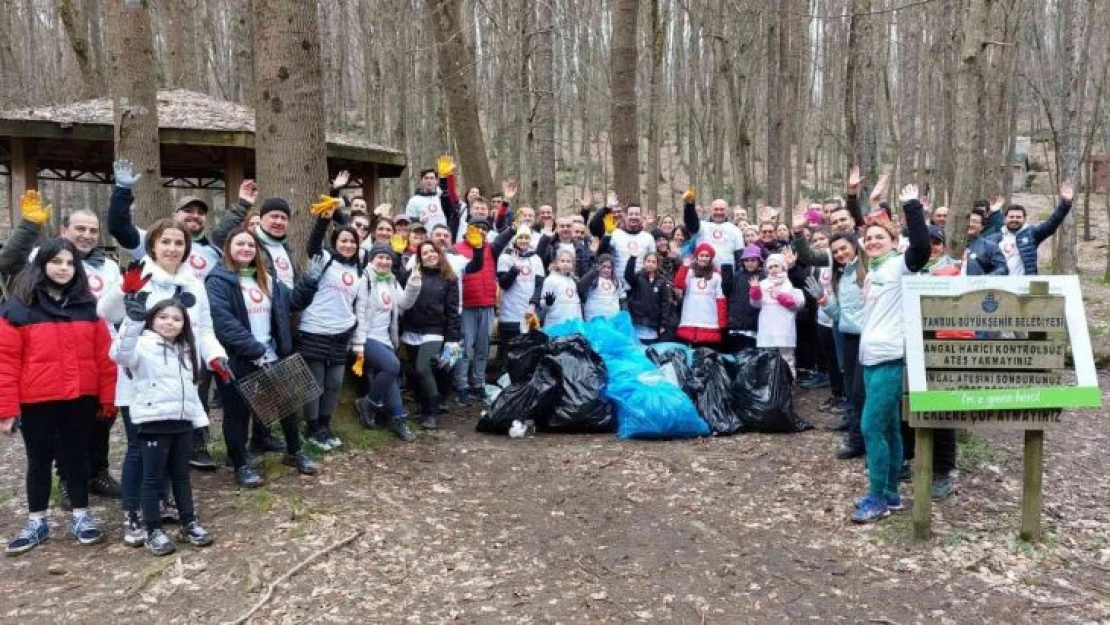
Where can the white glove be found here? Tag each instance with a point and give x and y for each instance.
(316, 267)
(908, 194)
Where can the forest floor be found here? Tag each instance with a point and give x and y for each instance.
(472, 528)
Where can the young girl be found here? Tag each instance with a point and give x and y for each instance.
(704, 308)
(167, 247)
(778, 302)
(157, 350)
(743, 318)
(519, 274)
(431, 324)
(380, 303)
(559, 292)
(252, 315)
(55, 378)
(882, 353)
(649, 300)
(601, 291)
(327, 323)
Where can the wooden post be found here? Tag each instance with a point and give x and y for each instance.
(24, 174)
(233, 175)
(1032, 481)
(923, 484)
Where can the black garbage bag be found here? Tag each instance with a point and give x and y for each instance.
(523, 353)
(577, 376)
(713, 395)
(516, 402)
(762, 391)
(676, 361)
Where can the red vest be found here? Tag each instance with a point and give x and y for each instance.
(479, 289)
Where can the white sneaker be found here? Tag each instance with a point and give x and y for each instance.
(134, 534)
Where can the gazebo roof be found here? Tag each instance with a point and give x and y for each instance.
(197, 132)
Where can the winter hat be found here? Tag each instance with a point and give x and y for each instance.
(380, 248)
(274, 204)
(937, 232)
(480, 222)
(752, 251)
(402, 218)
(778, 259)
(659, 234)
(705, 247)
(521, 231)
(814, 217)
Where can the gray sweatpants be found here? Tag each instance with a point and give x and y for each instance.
(470, 371)
(318, 412)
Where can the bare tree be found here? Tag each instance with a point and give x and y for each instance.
(623, 117)
(544, 64)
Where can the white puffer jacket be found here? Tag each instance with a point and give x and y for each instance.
(161, 376)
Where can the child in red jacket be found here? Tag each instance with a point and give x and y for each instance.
(704, 307)
(55, 378)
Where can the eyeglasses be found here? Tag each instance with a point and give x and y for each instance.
(362, 226)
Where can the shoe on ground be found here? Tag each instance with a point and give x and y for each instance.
(86, 530)
(267, 444)
(401, 429)
(196, 535)
(462, 398)
(441, 407)
(247, 477)
(429, 422)
(201, 459)
(942, 488)
(253, 460)
(33, 534)
(478, 393)
(816, 382)
(64, 501)
(104, 484)
(367, 412)
(870, 510)
(333, 440)
(160, 544)
(847, 452)
(134, 533)
(893, 502)
(167, 510)
(905, 474)
(302, 463)
(829, 403)
(318, 438)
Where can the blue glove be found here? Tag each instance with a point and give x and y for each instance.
(126, 176)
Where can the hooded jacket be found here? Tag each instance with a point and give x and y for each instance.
(649, 301)
(161, 376)
(233, 328)
(434, 305)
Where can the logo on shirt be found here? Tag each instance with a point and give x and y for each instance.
(432, 209)
(96, 283)
(702, 283)
(525, 270)
(255, 294)
(1008, 248)
(606, 287)
(282, 263)
(347, 278)
(198, 262)
(570, 292)
(633, 248)
(717, 234)
(387, 300)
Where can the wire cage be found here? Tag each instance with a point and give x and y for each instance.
(279, 389)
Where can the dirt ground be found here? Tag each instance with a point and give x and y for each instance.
(471, 528)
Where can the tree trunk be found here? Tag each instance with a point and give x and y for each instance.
(290, 146)
(456, 68)
(862, 83)
(544, 64)
(774, 161)
(180, 55)
(1069, 85)
(658, 36)
(135, 103)
(76, 22)
(624, 126)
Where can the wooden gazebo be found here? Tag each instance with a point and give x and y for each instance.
(205, 144)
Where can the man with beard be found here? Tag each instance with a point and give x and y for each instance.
(1019, 240)
(627, 240)
(722, 235)
(273, 226)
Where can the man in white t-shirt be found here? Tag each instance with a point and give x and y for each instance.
(424, 206)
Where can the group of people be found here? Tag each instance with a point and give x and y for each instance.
(413, 301)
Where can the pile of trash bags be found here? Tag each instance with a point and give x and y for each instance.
(597, 377)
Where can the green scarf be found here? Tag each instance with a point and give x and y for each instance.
(247, 272)
(266, 238)
(874, 263)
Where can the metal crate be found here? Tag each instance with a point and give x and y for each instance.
(279, 389)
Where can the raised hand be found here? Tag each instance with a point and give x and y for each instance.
(509, 188)
(814, 288)
(908, 193)
(125, 173)
(445, 166)
(855, 179)
(800, 210)
(790, 256)
(587, 200)
(997, 202)
(1067, 191)
(248, 191)
(325, 206)
(134, 304)
(549, 299)
(133, 278)
(880, 189)
(341, 179)
(690, 196)
(32, 209)
(753, 281)
(316, 266)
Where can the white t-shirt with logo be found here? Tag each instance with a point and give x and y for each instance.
(283, 265)
(699, 303)
(1008, 245)
(382, 301)
(426, 209)
(604, 300)
(625, 245)
(567, 304)
(332, 310)
(259, 314)
(515, 300)
(883, 336)
(724, 237)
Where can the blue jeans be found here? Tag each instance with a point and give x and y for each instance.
(470, 371)
(882, 426)
(380, 363)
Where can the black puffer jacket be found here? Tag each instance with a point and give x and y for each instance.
(436, 310)
(741, 314)
(651, 303)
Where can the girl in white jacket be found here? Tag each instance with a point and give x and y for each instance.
(558, 294)
(158, 353)
(778, 301)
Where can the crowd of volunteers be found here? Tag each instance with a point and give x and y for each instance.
(413, 300)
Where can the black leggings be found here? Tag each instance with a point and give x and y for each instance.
(944, 449)
(98, 444)
(58, 428)
(166, 454)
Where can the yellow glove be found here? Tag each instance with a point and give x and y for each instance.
(610, 222)
(533, 321)
(398, 243)
(475, 237)
(690, 195)
(357, 366)
(30, 205)
(326, 204)
(445, 166)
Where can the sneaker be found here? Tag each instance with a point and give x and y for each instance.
(201, 459)
(943, 488)
(847, 451)
(33, 534)
(104, 484)
(168, 511)
(134, 533)
(63, 496)
(302, 463)
(247, 477)
(815, 382)
(333, 440)
(398, 426)
(159, 543)
(367, 412)
(86, 530)
(319, 439)
(870, 510)
(267, 444)
(429, 422)
(462, 398)
(196, 535)
(893, 502)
